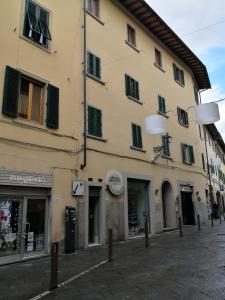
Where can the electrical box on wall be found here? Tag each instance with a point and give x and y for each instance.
(78, 188)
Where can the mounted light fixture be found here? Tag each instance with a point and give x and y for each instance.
(155, 124)
(207, 113)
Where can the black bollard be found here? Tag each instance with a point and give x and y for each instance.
(180, 227)
(211, 220)
(54, 266)
(146, 234)
(199, 225)
(110, 244)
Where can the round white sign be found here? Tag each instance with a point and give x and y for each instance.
(114, 182)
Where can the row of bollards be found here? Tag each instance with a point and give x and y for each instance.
(55, 248)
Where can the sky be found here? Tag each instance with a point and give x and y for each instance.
(201, 25)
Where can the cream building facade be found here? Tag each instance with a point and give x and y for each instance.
(76, 89)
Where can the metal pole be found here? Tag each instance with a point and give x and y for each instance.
(110, 244)
(54, 266)
(212, 220)
(180, 227)
(146, 234)
(199, 225)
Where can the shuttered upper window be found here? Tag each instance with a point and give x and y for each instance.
(94, 121)
(182, 117)
(166, 145)
(178, 74)
(24, 97)
(131, 35)
(132, 87)
(158, 58)
(187, 154)
(93, 65)
(93, 7)
(136, 136)
(162, 105)
(36, 24)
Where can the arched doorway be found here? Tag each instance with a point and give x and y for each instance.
(168, 205)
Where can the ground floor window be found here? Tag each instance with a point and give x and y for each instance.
(138, 206)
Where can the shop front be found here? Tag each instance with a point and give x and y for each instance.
(24, 215)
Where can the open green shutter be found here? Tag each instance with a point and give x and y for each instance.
(203, 161)
(52, 120)
(98, 122)
(134, 135)
(175, 71)
(183, 146)
(91, 126)
(11, 92)
(97, 68)
(139, 137)
(137, 90)
(127, 84)
(191, 153)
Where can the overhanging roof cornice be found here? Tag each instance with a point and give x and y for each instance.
(151, 20)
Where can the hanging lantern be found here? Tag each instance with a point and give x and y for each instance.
(216, 161)
(155, 124)
(207, 113)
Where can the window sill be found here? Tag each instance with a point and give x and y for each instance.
(137, 149)
(181, 84)
(35, 44)
(95, 17)
(186, 126)
(162, 114)
(167, 157)
(29, 124)
(187, 163)
(132, 46)
(96, 79)
(135, 100)
(97, 138)
(159, 67)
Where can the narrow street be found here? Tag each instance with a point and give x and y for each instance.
(192, 267)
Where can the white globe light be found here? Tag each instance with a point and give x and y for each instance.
(207, 113)
(216, 161)
(155, 124)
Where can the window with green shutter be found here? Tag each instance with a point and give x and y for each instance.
(24, 98)
(94, 121)
(162, 105)
(93, 65)
(178, 74)
(166, 145)
(182, 117)
(187, 152)
(136, 136)
(36, 23)
(132, 87)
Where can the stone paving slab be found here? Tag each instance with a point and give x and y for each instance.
(188, 268)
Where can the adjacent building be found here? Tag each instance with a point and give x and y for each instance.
(77, 82)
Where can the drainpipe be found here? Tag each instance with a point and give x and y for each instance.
(82, 166)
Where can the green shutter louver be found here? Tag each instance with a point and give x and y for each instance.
(175, 71)
(98, 122)
(203, 161)
(183, 146)
(11, 92)
(94, 121)
(97, 69)
(127, 84)
(52, 120)
(191, 153)
(136, 136)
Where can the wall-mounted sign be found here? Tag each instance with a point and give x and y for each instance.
(78, 188)
(186, 188)
(25, 179)
(114, 182)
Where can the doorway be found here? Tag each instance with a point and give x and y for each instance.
(94, 215)
(187, 208)
(168, 205)
(138, 206)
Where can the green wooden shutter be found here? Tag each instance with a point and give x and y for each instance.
(98, 122)
(91, 126)
(136, 96)
(90, 63)
(52, 120)
(11, 92)
(175, 71)
(182, 77)
(139, 137)
(97, 67)
(134, 135)
(203, 161)
(183, 146)
(162, 105)
(127, 84)
(191, 153)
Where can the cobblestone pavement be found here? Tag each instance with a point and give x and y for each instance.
(188, 268)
